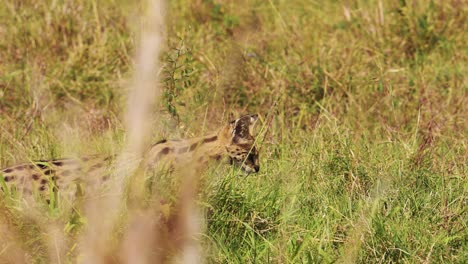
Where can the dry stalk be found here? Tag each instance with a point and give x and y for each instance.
(10, 246)
(144, 91)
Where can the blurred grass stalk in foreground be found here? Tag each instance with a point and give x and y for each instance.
(143, 240)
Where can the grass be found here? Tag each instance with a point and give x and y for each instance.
(362, 136)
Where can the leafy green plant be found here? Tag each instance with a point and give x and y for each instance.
(178, 76)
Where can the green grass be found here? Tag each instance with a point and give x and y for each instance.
(363, 139)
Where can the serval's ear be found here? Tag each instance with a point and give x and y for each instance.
(253, 119)
(242, 128)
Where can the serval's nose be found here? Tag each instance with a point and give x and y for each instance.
(256, 168)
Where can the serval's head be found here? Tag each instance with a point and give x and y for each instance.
(241, 147)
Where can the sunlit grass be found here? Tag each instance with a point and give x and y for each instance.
(362, 134)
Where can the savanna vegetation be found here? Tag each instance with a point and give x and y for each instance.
(362, 135)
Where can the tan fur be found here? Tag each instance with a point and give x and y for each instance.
(233, 141)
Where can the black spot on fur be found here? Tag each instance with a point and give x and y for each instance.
(20, 168)
(165, 151)
(160, 142)
(57, 163)
(9, 178)
(48, 172)
(211, 139)
(105, 177)
(42, 188)
(193, 146)
(42, 166)
(35, 177)
(44, 181)
(8, 170)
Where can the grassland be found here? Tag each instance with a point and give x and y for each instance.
(363, 135)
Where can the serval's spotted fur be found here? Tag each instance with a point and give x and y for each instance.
(233, 141)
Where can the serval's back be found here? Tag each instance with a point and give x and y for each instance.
(234, 142)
